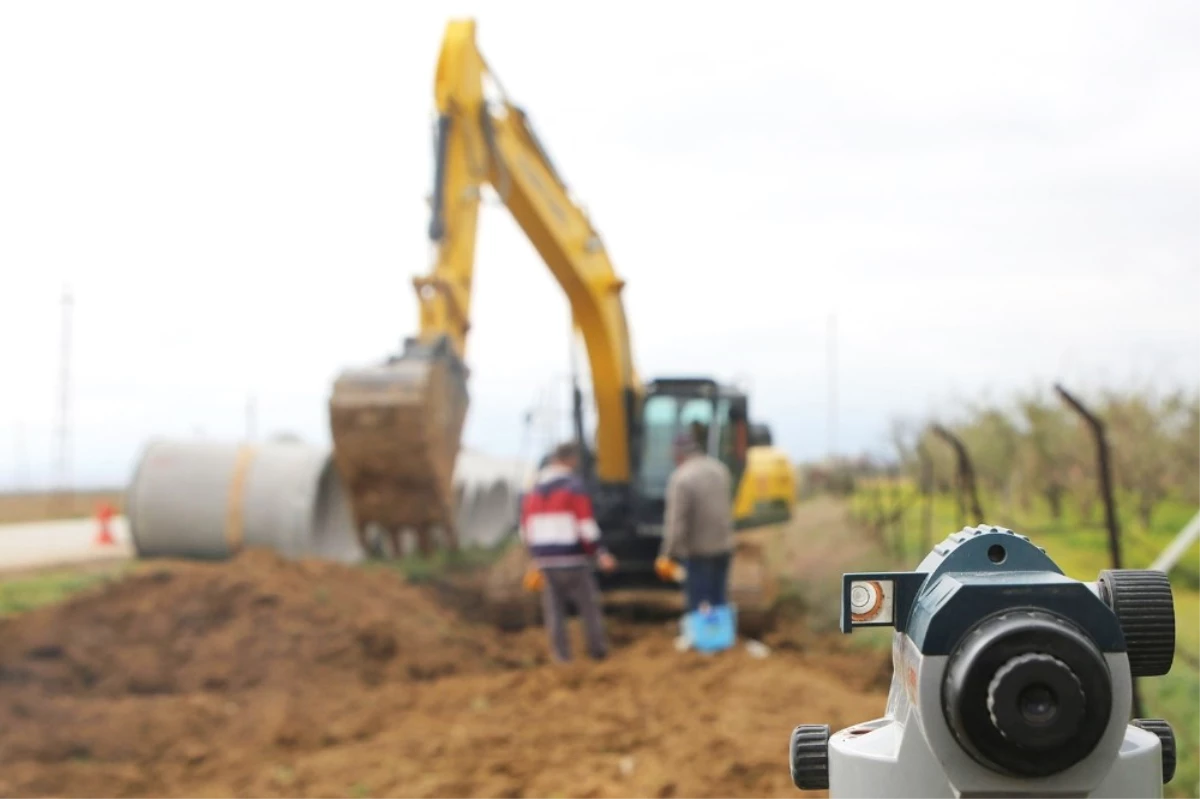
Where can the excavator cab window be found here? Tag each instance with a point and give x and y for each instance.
(663, 418)
(719, 427)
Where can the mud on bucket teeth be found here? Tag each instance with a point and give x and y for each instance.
(396, 429)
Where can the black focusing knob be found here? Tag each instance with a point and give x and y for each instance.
(1166, 737)
(810, 757)
(1036, 701)
(1145, 609)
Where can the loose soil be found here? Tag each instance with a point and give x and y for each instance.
(263, 677)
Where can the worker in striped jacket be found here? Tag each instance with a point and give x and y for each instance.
(563, 539)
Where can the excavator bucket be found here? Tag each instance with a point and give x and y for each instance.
(396, 429)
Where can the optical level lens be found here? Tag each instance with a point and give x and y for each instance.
(1039, 704)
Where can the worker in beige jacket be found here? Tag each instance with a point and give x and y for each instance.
(698, 525)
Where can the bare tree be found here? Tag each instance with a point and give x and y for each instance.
(1048, 451)
(967, 489)
(1182, 424)
(1102, 460)
(1140, 449)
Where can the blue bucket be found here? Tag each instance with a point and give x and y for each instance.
(713, 630)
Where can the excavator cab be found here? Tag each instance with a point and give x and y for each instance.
(717, 417)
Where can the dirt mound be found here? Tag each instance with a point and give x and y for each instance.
(187, 627)
(647, 722)
(184, 678)
(263, 677)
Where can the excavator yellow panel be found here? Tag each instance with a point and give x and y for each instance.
(767, 489)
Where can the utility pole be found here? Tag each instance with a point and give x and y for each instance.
(63, 437)
(831, 358)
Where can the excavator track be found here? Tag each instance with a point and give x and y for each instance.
(396, 429)
(752, 587)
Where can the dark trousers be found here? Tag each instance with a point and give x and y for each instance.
(707, 580)
(577, 585)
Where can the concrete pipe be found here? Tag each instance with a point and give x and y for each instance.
(464, 511)
(333, 536)
(510, 512)
(491, 515)
(198, 499)
(460, 497)
(490, 491)
(475, 467)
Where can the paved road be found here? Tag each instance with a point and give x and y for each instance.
(34, 545)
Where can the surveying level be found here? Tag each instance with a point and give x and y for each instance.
(1009, 679)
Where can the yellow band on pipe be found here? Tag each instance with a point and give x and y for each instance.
(234, 517)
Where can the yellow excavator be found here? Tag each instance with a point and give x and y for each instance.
(396, 427)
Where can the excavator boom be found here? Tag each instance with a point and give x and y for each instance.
(397, 427)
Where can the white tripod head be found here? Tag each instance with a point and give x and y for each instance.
(1010, 679)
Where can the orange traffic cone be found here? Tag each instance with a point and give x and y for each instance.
(104, 536)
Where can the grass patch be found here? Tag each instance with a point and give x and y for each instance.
(418, 569)
(26, 592)
(1176, 698)
(1085, 534)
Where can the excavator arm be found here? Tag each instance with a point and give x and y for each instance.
(493, 142)
(397, 427)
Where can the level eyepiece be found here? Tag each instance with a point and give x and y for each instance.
(1027, 693)
(1036, 701)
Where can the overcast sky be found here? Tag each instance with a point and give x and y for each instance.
(985, 195)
